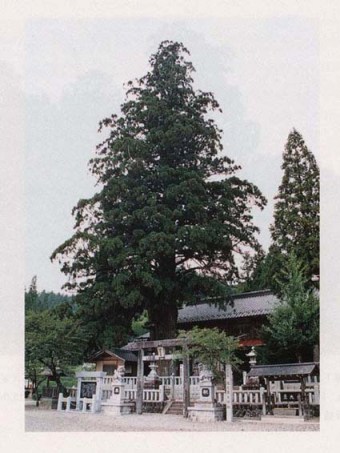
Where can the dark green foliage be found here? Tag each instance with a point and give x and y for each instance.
(31, 296)
(161, 230)
(52, 343)
(293, 329)
(252, 276)
(264, 272)
(140, 325)
(296, 216)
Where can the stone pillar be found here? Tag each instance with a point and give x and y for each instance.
(186, 382)
(60, 404)
(99, 393)
(139, 396)
(79, 379)
(229, 392)
(68, 404)
(263, 400)
(172, 386)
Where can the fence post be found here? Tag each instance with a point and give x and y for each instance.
(139, 395)
(172, 386)
(263, 401)
(229, 392)
(93, 405)
(68, 403)
(60, 402)
(161, 392)
(186, 383)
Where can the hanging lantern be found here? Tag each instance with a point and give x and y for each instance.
(161, 352)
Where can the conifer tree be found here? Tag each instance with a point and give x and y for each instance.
(296, 214)
(161, 229)
(293, 329)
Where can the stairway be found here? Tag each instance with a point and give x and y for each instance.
(174, 408)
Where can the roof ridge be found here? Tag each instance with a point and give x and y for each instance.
(286, 364)
(231, 297)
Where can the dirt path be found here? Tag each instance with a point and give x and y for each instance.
(39, 420)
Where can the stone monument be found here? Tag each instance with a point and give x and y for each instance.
(116, 404)
(206, 409)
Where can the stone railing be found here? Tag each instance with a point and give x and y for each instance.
(312, 395)
(242, 397)
(172, 386)
(248, 397)
(106, 393)
(83, 404)
(149, 395)
(129, 381)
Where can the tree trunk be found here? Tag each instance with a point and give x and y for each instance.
(60, 386)
(163, 321)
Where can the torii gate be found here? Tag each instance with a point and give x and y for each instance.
(140, 346)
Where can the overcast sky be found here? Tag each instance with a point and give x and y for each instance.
(264, 73)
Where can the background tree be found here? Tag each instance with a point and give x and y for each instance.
(296, 226)
(42, 300)
(33, 372)
(161, 229)
(251, 274)
(31, 296)
(293, 329)
(52, 342)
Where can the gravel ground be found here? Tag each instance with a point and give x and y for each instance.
(39, 420)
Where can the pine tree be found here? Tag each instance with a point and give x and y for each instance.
(296, 214)
(31, 296)
(161, 229)
(293, 330)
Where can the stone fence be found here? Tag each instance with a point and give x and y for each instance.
(171, 388)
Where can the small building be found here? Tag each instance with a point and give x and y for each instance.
(109, 360)
(292, 388)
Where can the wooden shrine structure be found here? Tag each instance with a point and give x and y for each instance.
(140, 347)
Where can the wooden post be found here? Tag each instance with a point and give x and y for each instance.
(269, 398)
(186, 388)
(304, 403)
(139, 393)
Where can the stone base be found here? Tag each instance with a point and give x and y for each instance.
(285, 411)
(118, 409)
(281, 419)
(202, 412)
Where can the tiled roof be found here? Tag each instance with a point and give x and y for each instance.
(247, 304)
(288, 369)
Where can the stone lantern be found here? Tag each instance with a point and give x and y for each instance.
(252, 356)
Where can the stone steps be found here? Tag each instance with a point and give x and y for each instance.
(175, 408)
